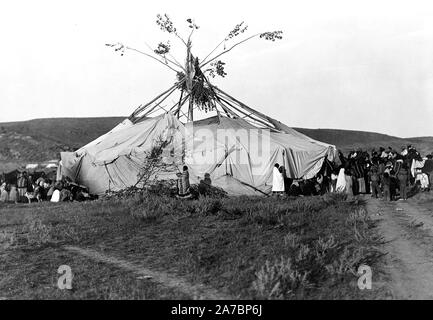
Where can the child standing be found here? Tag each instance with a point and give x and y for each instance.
(386, 184)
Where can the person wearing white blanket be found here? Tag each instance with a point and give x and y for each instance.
(277, 180)
(341, 181)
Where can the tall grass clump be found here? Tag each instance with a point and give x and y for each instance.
(36, 233)
(207, 206)
(279, 280)
(152, 208)
(8, 239)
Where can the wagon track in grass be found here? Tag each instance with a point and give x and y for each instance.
(196, 291)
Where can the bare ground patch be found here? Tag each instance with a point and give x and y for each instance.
(408, 234)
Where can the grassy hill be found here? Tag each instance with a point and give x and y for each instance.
(347, 140)
(42, 139)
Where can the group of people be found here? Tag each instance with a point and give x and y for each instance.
(384, 172)
(24, 189)
(380, 173)
(282, 185)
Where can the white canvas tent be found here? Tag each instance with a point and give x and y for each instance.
(238, 146)
(219, 145)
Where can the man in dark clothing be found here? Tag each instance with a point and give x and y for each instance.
(403, 178)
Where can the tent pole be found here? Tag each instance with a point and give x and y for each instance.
(178, 110)
(151, 109)
(248, 115)
(216, 98)
(190, 110)
(141, 108)
(243, 105)
(180, 99)
(226, 110)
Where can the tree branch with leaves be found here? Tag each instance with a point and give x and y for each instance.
(191, 78)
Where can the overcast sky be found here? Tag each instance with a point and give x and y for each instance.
(361, 65)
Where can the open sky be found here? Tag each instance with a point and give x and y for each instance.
(361, 65)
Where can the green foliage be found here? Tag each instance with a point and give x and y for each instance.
(217, 68)
(163, 48)
(272, 36)
(202, 94)
(154, 163)
(237, 30)
(191, 24)
(118, 47)
(165, 24)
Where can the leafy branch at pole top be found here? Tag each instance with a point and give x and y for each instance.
(190, 76)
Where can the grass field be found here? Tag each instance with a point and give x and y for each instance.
(241, 248)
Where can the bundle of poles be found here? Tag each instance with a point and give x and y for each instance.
(222, 103)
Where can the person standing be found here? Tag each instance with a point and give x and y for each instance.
(334, 177)
(22, 185)
(183, 185)
(287, 181)
(403, 178)
(341, 181)
(277, 180)
(13, 194)
(375, 181)
(4, 192)
(386, 183)
(349, 182)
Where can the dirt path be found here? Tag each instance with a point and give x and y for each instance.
(408, 231)
(168, 280)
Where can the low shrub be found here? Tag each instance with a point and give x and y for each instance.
(8, 239)
(36, 232)
(207, 206)
(151, 208)
(279, 280)
(333, 198)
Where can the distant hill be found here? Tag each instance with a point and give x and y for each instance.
(43, 139)
(347, 140)
(39, 140)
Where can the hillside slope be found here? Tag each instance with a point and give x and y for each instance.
(347, 140)
(43, 139)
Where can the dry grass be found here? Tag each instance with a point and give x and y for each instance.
(248, 247)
